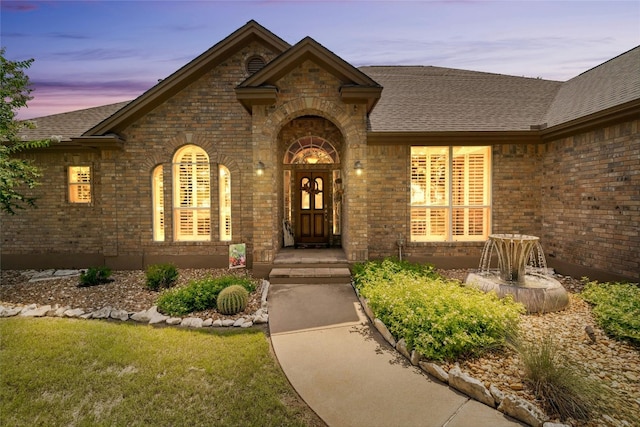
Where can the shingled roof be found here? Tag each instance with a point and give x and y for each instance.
(434, 99)
(69, 125)
(608, 85)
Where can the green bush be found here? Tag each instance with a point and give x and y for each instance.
(232, 299)
(438, 318)
(616, 307)
(161, 276)
(95, 276)
(198, 295)
(376, 271)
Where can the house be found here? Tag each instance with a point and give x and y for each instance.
(257, 139)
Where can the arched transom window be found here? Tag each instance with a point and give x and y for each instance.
(191, 194)
(311, 150)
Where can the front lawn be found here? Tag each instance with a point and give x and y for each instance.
(75, 372)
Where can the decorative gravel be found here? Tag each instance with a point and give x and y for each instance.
(615, 364)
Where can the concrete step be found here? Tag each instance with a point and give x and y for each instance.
(311, 275)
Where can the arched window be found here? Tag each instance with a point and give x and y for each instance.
(191, 195)
(157, 195)
(224, 188)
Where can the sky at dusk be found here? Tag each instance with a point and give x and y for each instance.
(91, 52)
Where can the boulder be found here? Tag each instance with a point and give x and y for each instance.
(75, 312)
(192, 322)
(174, 321)
(10, 311)
(103, 313)
(470, 386)
(435, 371)
(522, 410)
(217, 323)
(36, 312)
(382, 328)
(156, 317)
(207, 323)
(228, 322)
(59, 312)
(120, 315)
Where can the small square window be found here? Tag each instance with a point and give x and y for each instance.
(79, 184)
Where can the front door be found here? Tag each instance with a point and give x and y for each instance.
(312, 205)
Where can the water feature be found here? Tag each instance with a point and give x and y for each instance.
(521, 272)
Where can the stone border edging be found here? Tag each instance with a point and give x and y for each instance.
(508, 404)
(150, 316)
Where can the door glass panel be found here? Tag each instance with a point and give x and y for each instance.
(305, 195)
(318, 202)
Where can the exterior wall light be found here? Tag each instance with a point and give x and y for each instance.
(358, 167)
(260, 168)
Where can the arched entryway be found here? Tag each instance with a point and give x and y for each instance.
(312, 184)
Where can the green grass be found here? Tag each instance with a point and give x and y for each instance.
(94, 373)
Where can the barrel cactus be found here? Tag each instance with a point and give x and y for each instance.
(232, 299)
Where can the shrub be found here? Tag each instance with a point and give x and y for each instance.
(95, 276)
(438, 318)
(377, 271)
(616, 307)
(198, 295)
(161, 276)
(559, 386)
(232, 299)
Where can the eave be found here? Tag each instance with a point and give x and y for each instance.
(619, 113)
(454, 138)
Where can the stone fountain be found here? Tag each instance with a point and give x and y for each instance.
(521, 272)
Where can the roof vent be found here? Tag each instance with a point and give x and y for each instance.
(254, 64)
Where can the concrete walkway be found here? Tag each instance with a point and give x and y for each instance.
(349, 375)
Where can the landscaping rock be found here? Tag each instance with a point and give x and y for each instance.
(497, 394)
(522, 410)
(435, 371)
(367, 309)
(28, 308)
(382, 328)
(550, 424)
(217, 323)
(156, 317)
(207, 323)
(103, 313)
(401, 346)
(36, 312)
(141, 316)
(470, 386)
(59, 312)
(174, 321)
(10, 311)
(228, 322)
(415, 358)
(192, 322)
(120, 315)
(75, 312)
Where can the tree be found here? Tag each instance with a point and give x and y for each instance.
(15, 173)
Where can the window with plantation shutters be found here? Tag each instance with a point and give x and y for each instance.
(79, 184)
(224, 188)
(191, 195)
(158, 203)
(450, 193)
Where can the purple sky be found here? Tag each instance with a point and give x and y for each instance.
(91, 52)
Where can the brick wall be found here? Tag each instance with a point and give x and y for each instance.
(590, 200)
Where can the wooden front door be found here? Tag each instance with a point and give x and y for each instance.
(312, 206)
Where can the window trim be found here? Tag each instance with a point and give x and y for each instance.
(177, 208)
(157, 200)
(449, 207)
(225, 204)
(74, 186)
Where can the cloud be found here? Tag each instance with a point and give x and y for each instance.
(94, 54)
(14, 6)
(69, 36)
(130, 88)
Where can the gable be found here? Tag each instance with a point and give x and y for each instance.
(188, 74)
(262, 87)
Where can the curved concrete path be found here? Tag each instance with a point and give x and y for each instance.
(349, 375)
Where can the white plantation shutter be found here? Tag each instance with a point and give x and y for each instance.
(224, 186)
(158, 203)
(450, 193)
(192, 196)
(79, 184)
